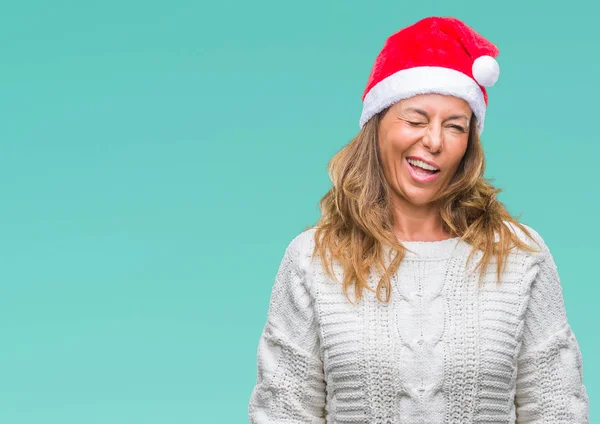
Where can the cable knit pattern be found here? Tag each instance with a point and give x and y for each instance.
(549, 382)
(442, 351)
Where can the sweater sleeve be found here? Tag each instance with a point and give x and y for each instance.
(290, 384)
(549, 385)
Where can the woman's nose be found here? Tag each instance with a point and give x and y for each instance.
(433, 138)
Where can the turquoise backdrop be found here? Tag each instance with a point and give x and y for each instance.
(156, 158)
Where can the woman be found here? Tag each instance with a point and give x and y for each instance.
(378, 314)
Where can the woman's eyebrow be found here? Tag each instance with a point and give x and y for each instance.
(419, 111)
(422, 112)
(456, 117)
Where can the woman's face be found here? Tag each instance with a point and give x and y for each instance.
(432, 127)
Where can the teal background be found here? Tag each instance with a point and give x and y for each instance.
(156, 159)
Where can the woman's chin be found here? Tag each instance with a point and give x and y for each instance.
(419, 197)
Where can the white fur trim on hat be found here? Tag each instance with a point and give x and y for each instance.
(423, 80)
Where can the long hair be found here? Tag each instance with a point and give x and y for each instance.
(357, 217)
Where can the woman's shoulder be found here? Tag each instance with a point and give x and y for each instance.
(534, 239)
(299, 250)
(296, 269)
(302, 242)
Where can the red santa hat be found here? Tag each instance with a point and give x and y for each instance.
(435, 55)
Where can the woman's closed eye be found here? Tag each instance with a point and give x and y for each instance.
(416, 123)
(422, 123)
(458, 127)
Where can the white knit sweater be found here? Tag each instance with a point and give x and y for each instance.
(442, 351)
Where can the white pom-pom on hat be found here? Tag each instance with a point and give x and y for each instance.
(486, 70)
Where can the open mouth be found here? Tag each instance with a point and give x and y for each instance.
(422, 171)
(422, 175)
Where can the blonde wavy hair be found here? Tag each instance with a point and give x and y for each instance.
(357, 218)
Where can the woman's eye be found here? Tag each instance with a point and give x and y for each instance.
(458, 127)
(416, 124)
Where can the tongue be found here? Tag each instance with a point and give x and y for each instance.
(422, 171)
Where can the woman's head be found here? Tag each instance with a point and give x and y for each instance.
(424, 131)
(371, 173)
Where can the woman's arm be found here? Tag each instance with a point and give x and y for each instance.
(549, 386)
(290, 386)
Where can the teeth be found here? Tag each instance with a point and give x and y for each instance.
(421, 164)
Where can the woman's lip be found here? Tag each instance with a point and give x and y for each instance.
(419, 178)
(424, 160)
